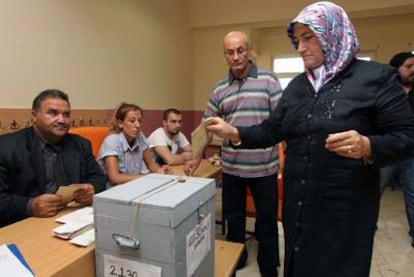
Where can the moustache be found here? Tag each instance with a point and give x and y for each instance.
(61, 125)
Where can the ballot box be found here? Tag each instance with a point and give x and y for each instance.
(156, 225)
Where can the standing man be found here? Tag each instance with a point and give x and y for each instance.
(245, 97)
(35, 161)
(169, 144)
(404, 63)
(404, 171)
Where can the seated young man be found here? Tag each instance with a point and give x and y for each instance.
(169, 144)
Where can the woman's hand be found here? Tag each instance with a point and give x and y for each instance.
(349, 144)
(222, 129)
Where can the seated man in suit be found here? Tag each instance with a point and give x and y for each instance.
(35, 161)
(169, 144)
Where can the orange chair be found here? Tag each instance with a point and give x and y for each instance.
(95, 134)
(250, 209)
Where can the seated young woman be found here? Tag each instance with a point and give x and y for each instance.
(125, 154)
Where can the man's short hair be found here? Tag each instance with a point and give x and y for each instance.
(49, 93)
(167, 112)
(399, 59)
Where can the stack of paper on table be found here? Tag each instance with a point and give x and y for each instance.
(77, 226)
(70, 230)
(84, 239)
(84, 214)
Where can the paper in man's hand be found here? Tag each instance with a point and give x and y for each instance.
(66, 192)
(199, 139)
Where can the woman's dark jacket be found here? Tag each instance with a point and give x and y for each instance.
(331, 203)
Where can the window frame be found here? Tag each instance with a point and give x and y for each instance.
(370, 54)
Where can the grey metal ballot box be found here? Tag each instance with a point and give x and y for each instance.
(156, 225)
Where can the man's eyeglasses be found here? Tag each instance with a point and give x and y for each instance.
(231, 52)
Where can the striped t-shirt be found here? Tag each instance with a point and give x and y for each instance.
(241, 103)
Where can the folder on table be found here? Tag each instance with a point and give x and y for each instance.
(12, 262)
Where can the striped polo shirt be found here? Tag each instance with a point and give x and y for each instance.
(245, 102)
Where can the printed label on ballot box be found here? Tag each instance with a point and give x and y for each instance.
(118, 267)
(198, 244)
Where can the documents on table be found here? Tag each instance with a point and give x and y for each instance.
(71, 230)
(84, 214)
(199, 139)
(84, 239)
(12, 262)
(77, 226)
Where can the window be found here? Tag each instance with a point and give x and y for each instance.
(286, 68)
(366, 55)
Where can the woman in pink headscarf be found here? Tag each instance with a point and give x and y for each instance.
(342, 119)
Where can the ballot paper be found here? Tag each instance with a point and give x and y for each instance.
(66, 192)
(85, 238)
(74, 223)
(84, 214)
(200, 138)
(12, 262)
(71, 230)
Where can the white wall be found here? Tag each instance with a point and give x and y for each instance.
(155, 53)
(208, 13)
(100, 52)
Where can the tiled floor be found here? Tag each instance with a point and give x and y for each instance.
(393, 255)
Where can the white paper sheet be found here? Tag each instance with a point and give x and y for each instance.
(198, 244)
(11, 265)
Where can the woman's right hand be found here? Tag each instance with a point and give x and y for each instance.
(222, 129)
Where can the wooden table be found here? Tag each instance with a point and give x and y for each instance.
(48, 255)
(51, 256)
(227, 254)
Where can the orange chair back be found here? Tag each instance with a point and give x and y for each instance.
(95, 134)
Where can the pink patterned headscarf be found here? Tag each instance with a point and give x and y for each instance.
(337, 36)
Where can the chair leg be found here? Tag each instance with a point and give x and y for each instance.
(249, 235)
(222, 225)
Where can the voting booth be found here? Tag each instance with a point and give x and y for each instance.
(156, 225)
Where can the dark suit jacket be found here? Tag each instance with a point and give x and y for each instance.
(22, 174)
